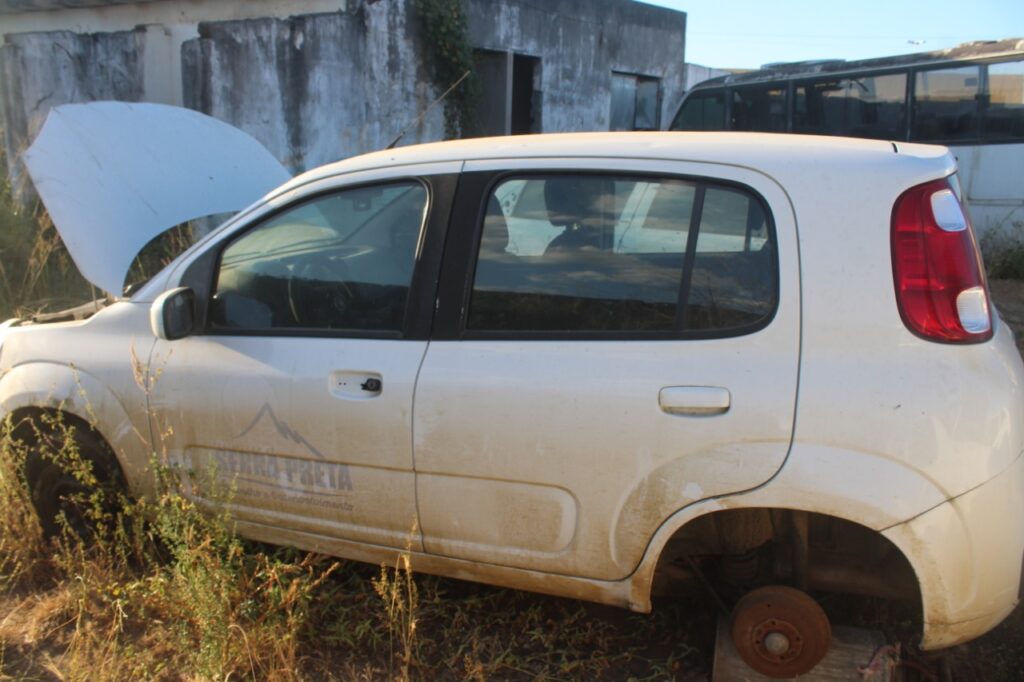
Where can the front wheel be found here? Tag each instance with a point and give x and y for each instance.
(73, 478)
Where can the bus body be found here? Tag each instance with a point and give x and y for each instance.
(969, 98)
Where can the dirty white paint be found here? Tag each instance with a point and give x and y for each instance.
(693, 491)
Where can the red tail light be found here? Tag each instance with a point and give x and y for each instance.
(940, 281)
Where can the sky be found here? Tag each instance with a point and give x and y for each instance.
(749, 33)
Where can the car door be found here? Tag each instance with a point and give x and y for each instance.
(615, 340)
(292, 403)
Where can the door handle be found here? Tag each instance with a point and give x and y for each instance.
(355, 385)
(372, 385)
(697, 401)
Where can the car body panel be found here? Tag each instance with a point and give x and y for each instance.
(967, 556)
(507, 420)
(282, 421)
(114, 175)
(96, 370)
(266, 423)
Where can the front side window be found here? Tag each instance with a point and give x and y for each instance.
(946, 104)
(865, 106)
(339, 262)
(577, 253)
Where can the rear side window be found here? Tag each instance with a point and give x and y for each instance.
(600, 254)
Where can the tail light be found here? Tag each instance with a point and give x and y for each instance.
(940, 281)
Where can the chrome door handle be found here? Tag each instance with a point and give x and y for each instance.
(694, 400)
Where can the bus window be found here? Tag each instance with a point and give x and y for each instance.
(868, 106)
(946, 104)
(702, 111)
(1004, 117)
(760, 108)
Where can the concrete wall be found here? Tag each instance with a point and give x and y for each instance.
(580, 42)
(315, 88)
(319, 80)
(63, 67)
(120, 50)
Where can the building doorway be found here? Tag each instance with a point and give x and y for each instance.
(509, 93)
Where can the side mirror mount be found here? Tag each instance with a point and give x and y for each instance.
(173, 314)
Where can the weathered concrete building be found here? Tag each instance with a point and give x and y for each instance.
(319, 80)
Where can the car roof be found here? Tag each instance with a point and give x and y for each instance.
(761, 151)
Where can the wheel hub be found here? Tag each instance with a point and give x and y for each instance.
(780, 632)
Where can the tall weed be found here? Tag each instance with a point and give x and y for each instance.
(163, 587)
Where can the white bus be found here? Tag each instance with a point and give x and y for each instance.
(969, 98)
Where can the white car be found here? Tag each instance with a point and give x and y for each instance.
(579, 364)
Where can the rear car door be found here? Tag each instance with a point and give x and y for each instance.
(294, 400)
(615, 339)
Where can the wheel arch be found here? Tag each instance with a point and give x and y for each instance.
(33, 389)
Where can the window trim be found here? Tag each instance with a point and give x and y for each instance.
(202, 273)
(461, 258)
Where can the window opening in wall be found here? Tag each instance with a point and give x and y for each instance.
(636, 102)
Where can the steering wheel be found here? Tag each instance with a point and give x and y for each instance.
(319, 295)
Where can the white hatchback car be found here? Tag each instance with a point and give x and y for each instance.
(579, 364)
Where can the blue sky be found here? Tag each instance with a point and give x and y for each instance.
(748, 33)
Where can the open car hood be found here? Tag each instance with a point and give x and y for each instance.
(114, 175)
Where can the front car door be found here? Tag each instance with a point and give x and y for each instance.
(293, 402)
(625, 343)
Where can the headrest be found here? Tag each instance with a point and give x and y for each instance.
(572, 199)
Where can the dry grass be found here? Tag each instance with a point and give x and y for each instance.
(163, 591)
(36, 272)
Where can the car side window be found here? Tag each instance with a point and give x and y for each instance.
(577, 253)
(342, 261)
